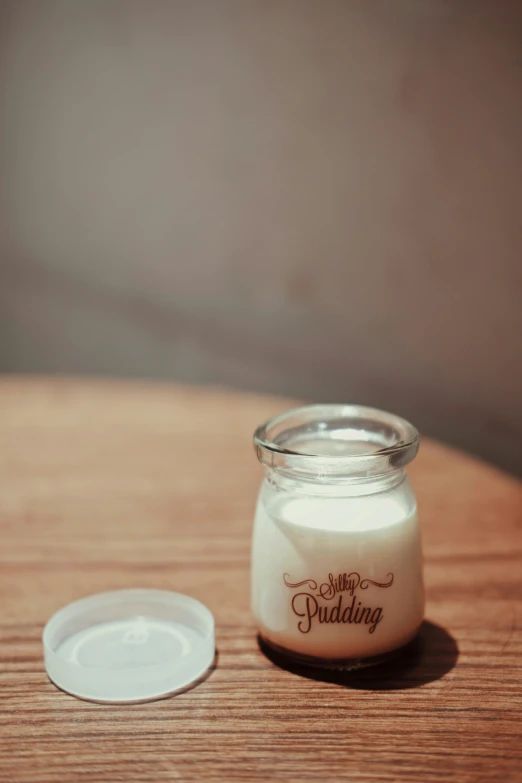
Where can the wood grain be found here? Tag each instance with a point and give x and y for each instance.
(108, 485)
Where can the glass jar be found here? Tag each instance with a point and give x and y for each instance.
(336, 556)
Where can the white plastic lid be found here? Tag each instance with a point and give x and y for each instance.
(129, 645)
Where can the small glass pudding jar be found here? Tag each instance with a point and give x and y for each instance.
(336, 555)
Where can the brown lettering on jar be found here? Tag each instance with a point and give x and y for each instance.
(306, 606)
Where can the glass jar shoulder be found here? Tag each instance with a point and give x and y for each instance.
(337, 507)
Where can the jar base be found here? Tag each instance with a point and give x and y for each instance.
(338, 664)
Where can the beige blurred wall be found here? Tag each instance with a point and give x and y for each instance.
(316, 197)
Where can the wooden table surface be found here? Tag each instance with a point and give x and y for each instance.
(110, 485)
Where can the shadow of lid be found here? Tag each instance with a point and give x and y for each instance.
(432, 654)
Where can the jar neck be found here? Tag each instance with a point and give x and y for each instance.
(337, 444)
(348, 486)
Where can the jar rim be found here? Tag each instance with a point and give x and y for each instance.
(342, 441)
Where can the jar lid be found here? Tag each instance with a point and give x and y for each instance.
(129, 645)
